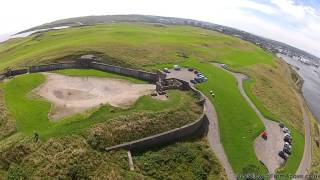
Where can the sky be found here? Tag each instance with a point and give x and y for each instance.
(296, 22)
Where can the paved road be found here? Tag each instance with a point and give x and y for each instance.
(214, 139)
(213, 128)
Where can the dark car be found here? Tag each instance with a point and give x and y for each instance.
(193, 81)
(287, 139)
(283, 155)
(281, 125)
(190, 69)
(196, 72)
(286, 150)
(287, 146)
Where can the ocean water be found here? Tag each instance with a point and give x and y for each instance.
(5, 37)
(311, 85)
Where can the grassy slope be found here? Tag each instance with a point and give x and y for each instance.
(43, 160)
(148, 46)
(32, 115)
(135, 45)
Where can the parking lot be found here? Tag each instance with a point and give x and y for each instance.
(182, 74)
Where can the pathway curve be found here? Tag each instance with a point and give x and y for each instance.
(271, 126)
(266, 150)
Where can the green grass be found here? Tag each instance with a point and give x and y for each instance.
(191, 159)
(96, 73)
(238, 123)
(247, 85)
(32, 114)
(133, 44)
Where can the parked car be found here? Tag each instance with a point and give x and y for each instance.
(198, 79)
(281, 125)
(288, 140)
(283, 155)
(190, 69)
(287, 145)
(193, 81)
(176, 67)
(287, 150)
(285, 130)
(166, 70)
(195, 72)
(205, 79)
(199, 74)
(287, 134)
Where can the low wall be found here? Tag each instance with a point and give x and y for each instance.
(143, 75)
(162, 138)
(147, 76)
(15, 72)
(56, 66)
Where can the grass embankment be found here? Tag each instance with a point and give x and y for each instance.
(32, 114)
(238, 123)
(72, 158)
(7, 123)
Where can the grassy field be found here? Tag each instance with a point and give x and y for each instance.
(149, 47)
(132, 45)
(32, 114)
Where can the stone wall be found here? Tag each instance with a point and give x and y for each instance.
(147, 76)
(163, 138)
(143, 75)
(15, 72)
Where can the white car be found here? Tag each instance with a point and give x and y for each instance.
(176, 67)
(285, 130)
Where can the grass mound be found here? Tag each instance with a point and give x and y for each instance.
(140, 125)
(7, 124)
(72, 158)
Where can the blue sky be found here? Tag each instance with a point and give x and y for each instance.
(296, 22)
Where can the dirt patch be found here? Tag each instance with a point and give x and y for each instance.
(71, 94)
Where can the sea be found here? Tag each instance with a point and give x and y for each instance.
(311, 85)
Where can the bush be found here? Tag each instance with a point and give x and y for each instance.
(17, 173)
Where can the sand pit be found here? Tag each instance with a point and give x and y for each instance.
(72, 94)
